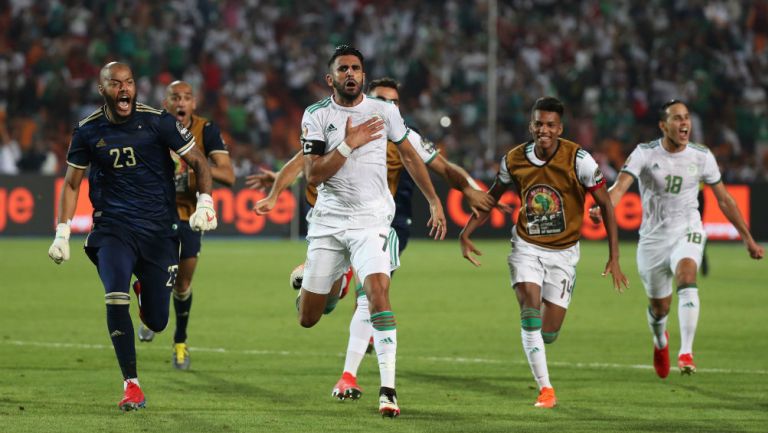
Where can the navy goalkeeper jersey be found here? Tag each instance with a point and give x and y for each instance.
(131, 171)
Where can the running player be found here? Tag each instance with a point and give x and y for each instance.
(552, 177)
(126, 144)
(180, 101)
(669, 171)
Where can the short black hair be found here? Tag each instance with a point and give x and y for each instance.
(549, 103)
(664, 106)
(346, 50)
(384, 82)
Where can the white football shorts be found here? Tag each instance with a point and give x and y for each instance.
(657, 259)
(332, 250)
(553, 270)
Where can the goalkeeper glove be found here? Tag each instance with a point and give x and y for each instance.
(59, 250)
(204, 217)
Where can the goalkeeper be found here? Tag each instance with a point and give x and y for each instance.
(131, 181)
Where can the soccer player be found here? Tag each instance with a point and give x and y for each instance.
(401, 186)
(126, 144)
(669, 171)
(180, 101)
(552, 176)
(344, 139)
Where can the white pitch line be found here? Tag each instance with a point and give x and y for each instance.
(446, 359)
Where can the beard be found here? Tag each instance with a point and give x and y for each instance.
(112, 108)
(344, 93)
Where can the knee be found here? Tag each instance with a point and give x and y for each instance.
(181, 286)
(307, 322)
(307, 318)
(659, 310)
(685, 273)
(156, 324)
(549, 337)
(182, 295)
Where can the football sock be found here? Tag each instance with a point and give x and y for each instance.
(182, 303)
(360, 292)
(549, 337)
(360, 331)
(385, 342)
(688, 315)
(658, 326)
(330, 303)
(533, 345)
(120, 330)
(134, 380)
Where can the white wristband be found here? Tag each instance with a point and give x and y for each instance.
(63, 230)
(204, 199)
(344, 149)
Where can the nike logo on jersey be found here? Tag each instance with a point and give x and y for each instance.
(330, 128)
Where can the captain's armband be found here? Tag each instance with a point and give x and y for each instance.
(313, 147)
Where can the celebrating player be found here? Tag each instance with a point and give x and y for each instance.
(401, 186)
(669, 171)
(180, 101)
(552, 176)
(344, 139)
(132, 192)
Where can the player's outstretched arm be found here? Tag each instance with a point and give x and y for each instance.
(622, 184)
(282, 179)
(458, 178)
(261, 181)
(613, 267)
(731, 211)
(204, 216)
(418, 171)
(59, 250)
(467, 246)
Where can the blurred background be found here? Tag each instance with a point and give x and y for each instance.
(470, 71)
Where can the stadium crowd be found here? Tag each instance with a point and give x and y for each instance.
(257, 65)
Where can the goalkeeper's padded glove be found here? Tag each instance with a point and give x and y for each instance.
(204, 217)
(59, 250)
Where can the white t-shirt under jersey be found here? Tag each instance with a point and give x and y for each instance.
(669, 186)
(586, 167)
(357, 195)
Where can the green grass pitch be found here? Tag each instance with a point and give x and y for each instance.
(460, 361)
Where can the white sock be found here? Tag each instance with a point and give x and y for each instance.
(658, 326)
(688, 312)
(533, 346)
(360, 331)
(134, 380)
(385, 343)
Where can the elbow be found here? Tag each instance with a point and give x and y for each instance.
(229, 180)
(314, 180)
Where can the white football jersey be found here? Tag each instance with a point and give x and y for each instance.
(357, 195)
(669, 186)
(425, 148)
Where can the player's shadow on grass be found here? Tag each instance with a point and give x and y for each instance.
(506, 387)
(221, 384)
(723, 400)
